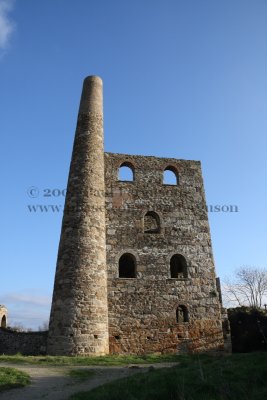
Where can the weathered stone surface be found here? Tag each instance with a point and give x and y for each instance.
(135, 259)
(26, 343)
(142, 310)
(79, 315)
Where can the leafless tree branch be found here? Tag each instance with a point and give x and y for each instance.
(247, 287)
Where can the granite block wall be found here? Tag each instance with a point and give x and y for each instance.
(155, 311)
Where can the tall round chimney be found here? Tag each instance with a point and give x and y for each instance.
(79, 313)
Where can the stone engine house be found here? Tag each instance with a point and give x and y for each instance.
(135, 270)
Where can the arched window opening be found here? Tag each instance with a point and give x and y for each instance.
(182, 314)
(126, 172)
(151, 222)
(127, 266)
(178, 266)
(3, 322)
(170, 176)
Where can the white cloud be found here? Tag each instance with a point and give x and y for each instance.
(35, 300)
(6, 24)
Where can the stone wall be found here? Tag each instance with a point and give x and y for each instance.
(153, 311)
(226, 331)
(26, 343)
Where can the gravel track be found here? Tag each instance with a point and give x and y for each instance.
(53, 382)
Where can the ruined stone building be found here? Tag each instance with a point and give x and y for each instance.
(135, 270)
(3, 317)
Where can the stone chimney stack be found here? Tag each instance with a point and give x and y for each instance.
(79, 314)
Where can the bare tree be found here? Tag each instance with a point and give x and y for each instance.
(248, 287)
(19, 327)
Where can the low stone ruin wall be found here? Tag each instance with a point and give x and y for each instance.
(26, 343)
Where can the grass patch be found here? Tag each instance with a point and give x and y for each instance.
(82, 374)
(11, 378)
(103, 360)
(235, 377)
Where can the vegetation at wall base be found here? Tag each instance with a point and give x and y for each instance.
(11, 378)
(233, 377)
(108, 360)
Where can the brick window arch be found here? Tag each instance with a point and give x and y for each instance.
(170, 176)
(3, 322)
(178, 266)
(127, 266)
(151, 222)
(126, 172)
(182, 314)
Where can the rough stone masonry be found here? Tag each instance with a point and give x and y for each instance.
(135, 271)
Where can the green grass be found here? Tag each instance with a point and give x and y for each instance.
(81, 374)
(103, 360)
(235, 377)
(12, 378)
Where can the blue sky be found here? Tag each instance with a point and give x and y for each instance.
(184, 79)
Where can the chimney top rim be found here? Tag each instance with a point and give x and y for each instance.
(94, 78)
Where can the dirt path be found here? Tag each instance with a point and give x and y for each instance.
(53, 383)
